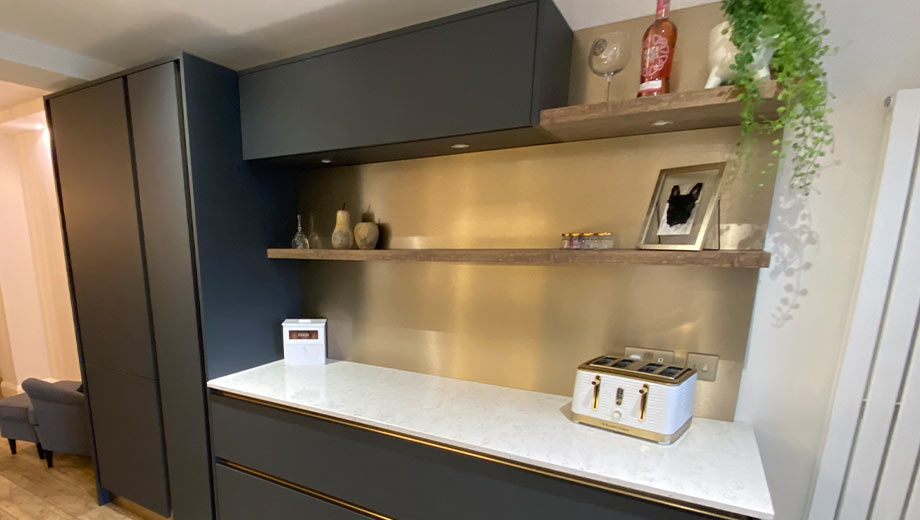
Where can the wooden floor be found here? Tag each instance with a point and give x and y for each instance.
(31, 491)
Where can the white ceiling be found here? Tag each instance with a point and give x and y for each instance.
(244, 33)
(12, 94)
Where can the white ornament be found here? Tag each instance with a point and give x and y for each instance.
(722, 56)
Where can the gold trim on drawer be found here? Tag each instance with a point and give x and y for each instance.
(648, 497)
(307, 491)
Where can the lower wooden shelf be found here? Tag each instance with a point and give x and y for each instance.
(737, 259)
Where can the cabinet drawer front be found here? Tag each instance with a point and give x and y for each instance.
(241, 496)
(461, 77)
(401, 478)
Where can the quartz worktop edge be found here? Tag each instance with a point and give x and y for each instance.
(445, 411)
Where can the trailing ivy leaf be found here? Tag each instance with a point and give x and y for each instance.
(796, 30)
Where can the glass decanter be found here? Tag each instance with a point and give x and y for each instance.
(300, 240)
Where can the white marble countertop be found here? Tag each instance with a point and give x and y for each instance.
(715, 464)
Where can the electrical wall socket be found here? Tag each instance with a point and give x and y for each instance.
(649, 354)
(706, 365)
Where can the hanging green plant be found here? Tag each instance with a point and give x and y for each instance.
(796, 30)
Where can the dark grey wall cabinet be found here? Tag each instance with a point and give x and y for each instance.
(395, 477)
(488, 71)
(166, 228)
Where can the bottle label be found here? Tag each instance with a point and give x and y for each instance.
(655, 55)
(650, 86)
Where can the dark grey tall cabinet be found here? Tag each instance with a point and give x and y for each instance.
(165, 229)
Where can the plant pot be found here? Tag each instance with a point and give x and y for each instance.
(722, 54)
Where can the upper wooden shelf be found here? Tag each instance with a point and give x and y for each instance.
(694, 110)
(741, 259)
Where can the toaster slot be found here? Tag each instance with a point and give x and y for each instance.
(604, 361)
(650, 368)
(624, 363)
(671, 372)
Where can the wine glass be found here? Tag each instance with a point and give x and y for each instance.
(609, 55)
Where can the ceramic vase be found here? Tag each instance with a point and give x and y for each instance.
(722, 54)
(342, 237)
(366, 235)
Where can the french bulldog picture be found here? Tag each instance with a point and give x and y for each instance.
(679, 211)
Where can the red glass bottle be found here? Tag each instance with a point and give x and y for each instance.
(658, 53)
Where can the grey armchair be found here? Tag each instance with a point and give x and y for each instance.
(60, 414)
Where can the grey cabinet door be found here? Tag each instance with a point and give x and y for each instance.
(162, 186)
(129, 441)
(94, 164)
(464, 75)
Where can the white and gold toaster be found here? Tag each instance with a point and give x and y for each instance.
(650, 400)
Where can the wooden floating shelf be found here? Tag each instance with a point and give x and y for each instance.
(694, 110)
(740, 259)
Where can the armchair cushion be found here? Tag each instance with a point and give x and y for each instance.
(61, 415)
(16, 408)
(17, 419)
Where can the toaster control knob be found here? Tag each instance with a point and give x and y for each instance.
(617, 415)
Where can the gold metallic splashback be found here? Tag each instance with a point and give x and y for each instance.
(531, 326)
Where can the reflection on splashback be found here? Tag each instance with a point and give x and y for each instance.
(530, 326)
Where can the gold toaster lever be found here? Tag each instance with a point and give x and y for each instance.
(597, 390)
(643, 401)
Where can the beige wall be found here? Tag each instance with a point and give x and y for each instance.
(42, 214)
(22, 304)
(7, 369)
(790, 372)
(36, 327)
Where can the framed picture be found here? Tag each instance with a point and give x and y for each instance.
(683, 207)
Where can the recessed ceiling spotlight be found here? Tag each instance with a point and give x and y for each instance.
(326, 161)
(662, 122)
(459, 146)
(39, 126)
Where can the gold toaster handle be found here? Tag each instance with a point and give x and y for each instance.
(597, 391)
(643, 401)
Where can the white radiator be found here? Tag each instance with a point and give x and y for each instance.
(869, 464)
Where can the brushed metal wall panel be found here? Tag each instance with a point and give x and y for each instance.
(529, 326)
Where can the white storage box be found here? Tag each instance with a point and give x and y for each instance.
(304, 341)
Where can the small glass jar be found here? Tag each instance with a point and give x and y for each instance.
(578, 240)
(566, 241)
(604, 241)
